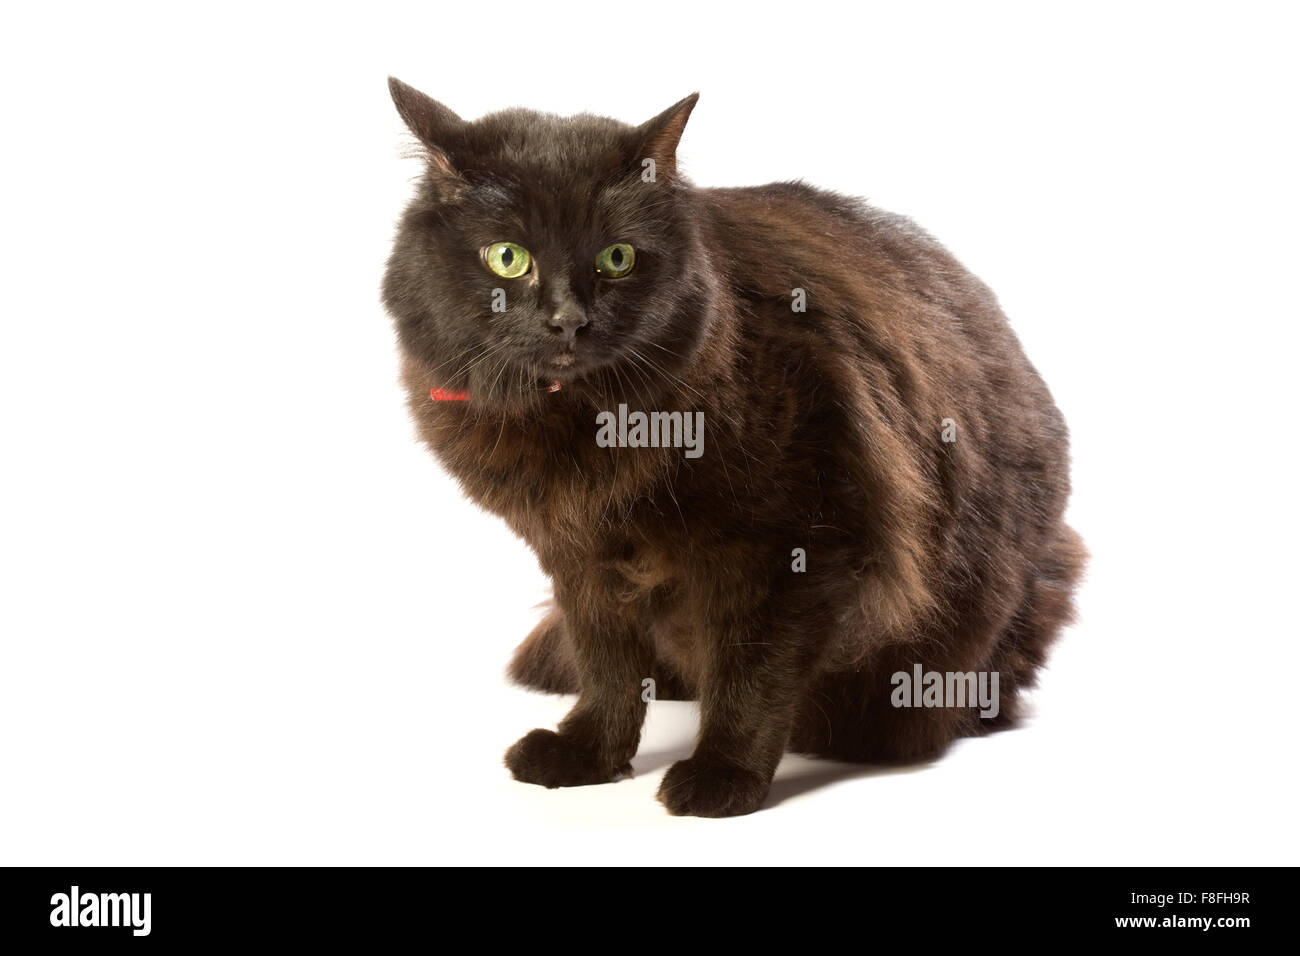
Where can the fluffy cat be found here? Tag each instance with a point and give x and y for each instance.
(883, 478)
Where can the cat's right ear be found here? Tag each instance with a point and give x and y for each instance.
(433, 124)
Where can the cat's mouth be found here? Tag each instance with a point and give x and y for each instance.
(565, 366)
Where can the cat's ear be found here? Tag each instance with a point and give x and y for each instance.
(658, 137)
(433, 124)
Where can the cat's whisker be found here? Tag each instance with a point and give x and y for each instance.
(675, 378)
(455, 357)
(644, 377)
(479, 359)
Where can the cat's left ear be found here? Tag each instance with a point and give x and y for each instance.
(659, 136)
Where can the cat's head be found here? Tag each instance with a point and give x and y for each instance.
(542, 249)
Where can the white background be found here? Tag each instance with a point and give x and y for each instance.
(246, 619)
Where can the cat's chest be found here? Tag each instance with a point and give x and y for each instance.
(549, 479)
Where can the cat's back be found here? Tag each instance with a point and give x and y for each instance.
(770, 240)
(888, 317)
(830, 273)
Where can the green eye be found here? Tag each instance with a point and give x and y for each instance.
(616, 260)
(507, 259)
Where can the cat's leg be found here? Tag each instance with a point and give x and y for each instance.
(850, 715)
(759, 665)
(998, 629)
(597, 740)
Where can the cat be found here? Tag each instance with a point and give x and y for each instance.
(882, 487)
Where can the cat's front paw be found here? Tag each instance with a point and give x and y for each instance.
(698, 788)
(549, 759)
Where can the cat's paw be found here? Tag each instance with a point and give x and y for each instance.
(698, 788)
(549, 759)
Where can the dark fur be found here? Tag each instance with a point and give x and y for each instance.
(822, 432)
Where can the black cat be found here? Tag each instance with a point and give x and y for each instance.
(882, 484)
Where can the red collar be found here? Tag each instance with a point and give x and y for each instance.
(447, 395)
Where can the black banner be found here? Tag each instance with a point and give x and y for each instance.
(136, 908)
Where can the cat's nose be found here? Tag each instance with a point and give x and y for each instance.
(567, 319)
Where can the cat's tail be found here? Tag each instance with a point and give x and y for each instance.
(544, 660)
(1047, 607)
